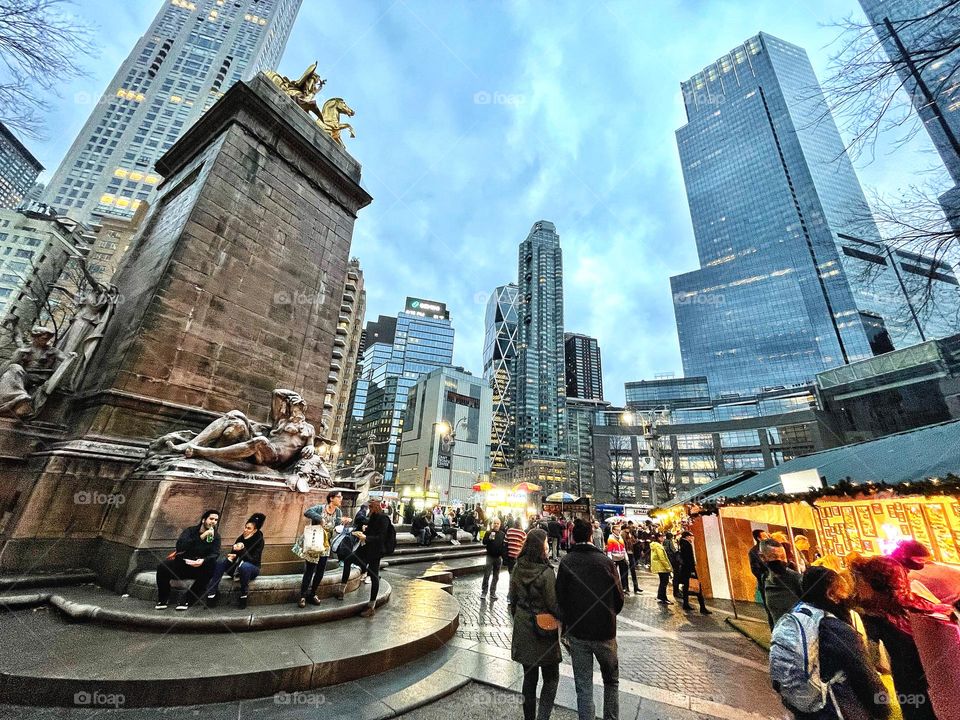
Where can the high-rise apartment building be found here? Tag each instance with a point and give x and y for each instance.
(398, 352)
(541, 382)
(584, 373)
(794, 276)
(18, 170)
(499, 370)
(193, 51)
(914, 34)
(346, 353)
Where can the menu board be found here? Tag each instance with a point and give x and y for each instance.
(944, 537)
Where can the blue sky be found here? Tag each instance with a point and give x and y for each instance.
(475, 118)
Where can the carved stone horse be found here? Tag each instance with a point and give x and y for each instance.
(330, 119)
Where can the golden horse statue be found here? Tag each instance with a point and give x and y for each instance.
(304, 93)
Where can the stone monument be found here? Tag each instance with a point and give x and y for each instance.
(221, 300)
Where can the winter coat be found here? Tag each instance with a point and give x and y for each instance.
(659, 562)
(782, 591)
(532, 590)
(589, 593)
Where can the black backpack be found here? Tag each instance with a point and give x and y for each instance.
(390, 541)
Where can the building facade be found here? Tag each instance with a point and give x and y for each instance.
(446, 432)
(794, 276)
(667, 393)
(541, 374)
(398, 352)
(191, 54)
(114, 237)
(18, 170)
(584, 372)
(582, 416)
(345, 356)
(499, 370)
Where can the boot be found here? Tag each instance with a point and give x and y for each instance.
(369, 612)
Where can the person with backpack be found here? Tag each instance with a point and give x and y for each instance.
(378, 539)
(818, 662)
(532, 602)
(782, 583)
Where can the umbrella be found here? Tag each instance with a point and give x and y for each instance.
(526, 487)
(614, 519)
(560, 497)
(483, 486)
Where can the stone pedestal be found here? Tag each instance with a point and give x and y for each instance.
(231, 289)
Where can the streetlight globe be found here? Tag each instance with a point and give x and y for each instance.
(444, 427)
(627, 417)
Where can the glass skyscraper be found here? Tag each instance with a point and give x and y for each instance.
(397, 353)
(541, 382)
(583, 367)
(499, 371)
(191, 54)
(18, 170)
(794, 276)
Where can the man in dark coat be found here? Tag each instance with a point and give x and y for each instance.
(195, 558)
(495, 541)
(688, 569)
(554, 535)
(589, 596)
(759, 568)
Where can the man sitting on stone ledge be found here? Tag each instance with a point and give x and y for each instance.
(195, 558)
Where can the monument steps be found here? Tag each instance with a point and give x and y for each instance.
(76, 576)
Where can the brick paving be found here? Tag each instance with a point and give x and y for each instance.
(662, 649)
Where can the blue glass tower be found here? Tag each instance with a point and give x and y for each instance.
(794, 276)
(398, 352)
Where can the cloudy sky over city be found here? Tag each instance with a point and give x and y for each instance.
(475, 118)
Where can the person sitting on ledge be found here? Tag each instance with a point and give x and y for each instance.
(198, 548)
(368, 556)
(242, 561)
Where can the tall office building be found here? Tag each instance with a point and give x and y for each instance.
(794, 276)
(583, 369)
(191, 54)
(499, 370)
(913, 34)
(18, 170)
(398, 352)
(541, 385)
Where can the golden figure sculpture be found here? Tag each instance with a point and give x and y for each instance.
(304, 93)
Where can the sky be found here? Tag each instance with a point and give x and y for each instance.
(476, 118)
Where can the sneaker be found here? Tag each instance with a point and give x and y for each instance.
(160, 606)
(314, 600)
(492, 597)
(183, 606)
(211, 601)
(367, 581)
(302, 603)
(242, 602)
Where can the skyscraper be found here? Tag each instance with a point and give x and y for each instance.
(499, 370)
(584, 373)
(540, 398)
(193, 51)
(346, 352)
(794, 276)
(18, 170)
(909, 30)
(398, 351)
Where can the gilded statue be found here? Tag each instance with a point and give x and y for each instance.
(304, 93)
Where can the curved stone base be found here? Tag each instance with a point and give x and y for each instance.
(51, 662)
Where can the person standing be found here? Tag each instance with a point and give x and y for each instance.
(532, 593)
(688, 571)
(617, 551)
(660, 564)
(597, 537)
(243, 560)
(555, 532)
(759, 569)
(590, 596)
(632, 545)
(495, 542)
(782, 583)
(673, 555)
(329, 517)
(515, 538)
(195, 557)
(368, 557)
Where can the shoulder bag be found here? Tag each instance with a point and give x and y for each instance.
(545, 624)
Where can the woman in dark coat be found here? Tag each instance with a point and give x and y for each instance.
(782, 583)
(533, 591)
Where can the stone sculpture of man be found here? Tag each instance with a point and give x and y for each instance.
(30, 368)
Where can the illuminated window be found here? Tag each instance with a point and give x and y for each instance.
(107, 199)
(120, 173)
(176, 99)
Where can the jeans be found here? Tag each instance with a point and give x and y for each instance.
(551, 679)
(247, 571)
(662, 588)
(493, 567)
(312, 575)
(582, 653)
(369, 564)
(177, 569)
(554, 548)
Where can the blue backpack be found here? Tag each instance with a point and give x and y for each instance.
(795, 659)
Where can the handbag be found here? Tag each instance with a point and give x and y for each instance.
(693, 585)
(315, 540)
(545, 624)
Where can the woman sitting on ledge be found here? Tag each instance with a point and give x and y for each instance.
(244, 560)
